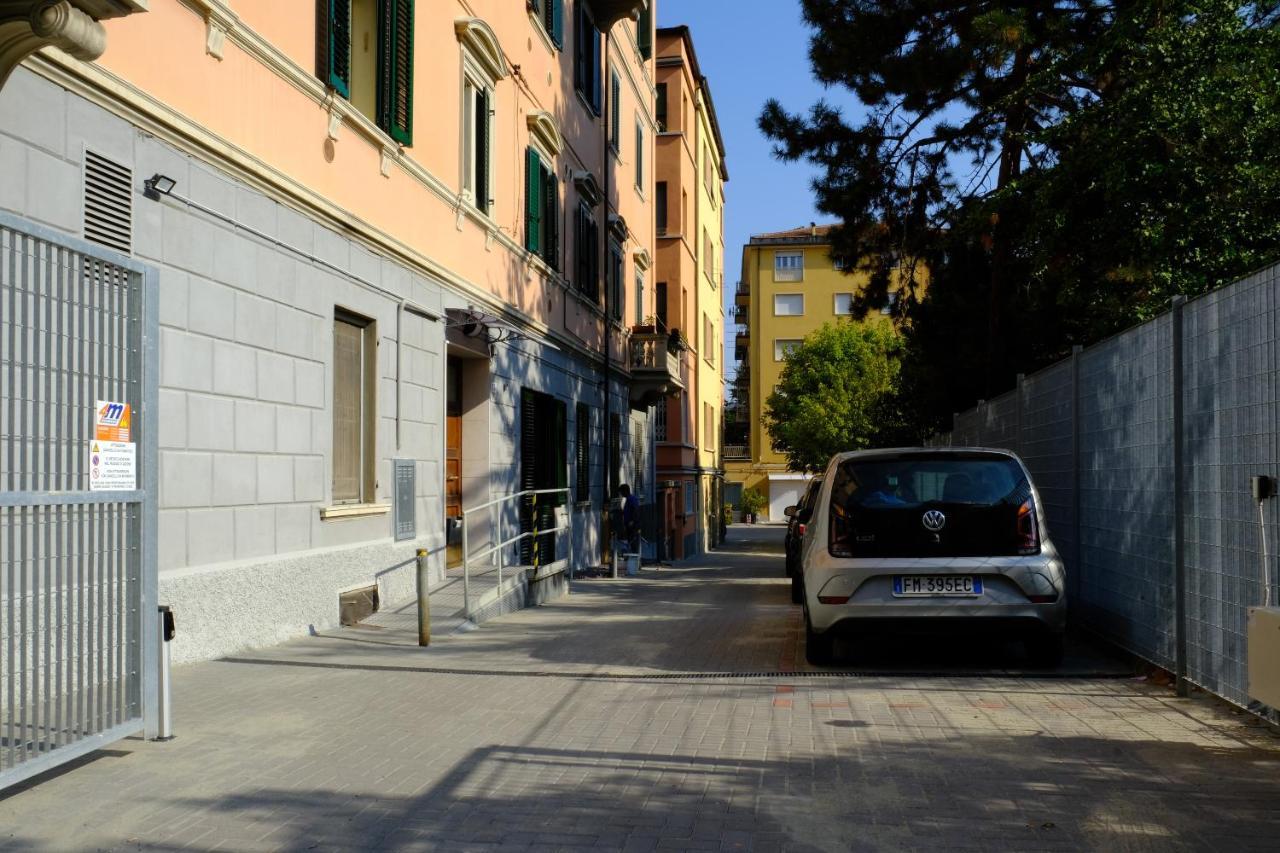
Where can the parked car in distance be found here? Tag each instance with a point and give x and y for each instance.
(921, 539)
(797, 523)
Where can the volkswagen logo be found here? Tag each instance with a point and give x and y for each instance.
(934, 520)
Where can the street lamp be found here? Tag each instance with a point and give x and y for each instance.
(158, 185)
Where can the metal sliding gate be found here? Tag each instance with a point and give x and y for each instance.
(78, 626)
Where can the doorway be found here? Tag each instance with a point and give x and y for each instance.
(453, 461)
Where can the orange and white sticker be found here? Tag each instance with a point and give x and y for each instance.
(112, 422)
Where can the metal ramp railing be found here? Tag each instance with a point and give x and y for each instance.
(501, 544)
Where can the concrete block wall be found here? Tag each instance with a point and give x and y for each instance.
(245, 371)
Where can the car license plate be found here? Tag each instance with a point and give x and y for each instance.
(908, 586)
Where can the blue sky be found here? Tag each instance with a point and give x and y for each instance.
(749, 51)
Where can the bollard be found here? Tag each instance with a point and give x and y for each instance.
(164, 726)
(424, 601)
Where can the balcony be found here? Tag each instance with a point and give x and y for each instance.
(741, 315)
(737, 451)
(655, 368)
(742, 296)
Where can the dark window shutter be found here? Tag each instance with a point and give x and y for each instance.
(333, 44)
(533, 201)
(528, 468)
(660, 108)
(582, 453)
(551, 221)
(556, 28)
(580, 51)
(395, 69)
(562, 450)
(644, 32)
(597, 75)
(482, 149)
(615, 114)
(593, 228)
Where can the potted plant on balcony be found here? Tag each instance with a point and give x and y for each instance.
(649, 326)
(753, 501)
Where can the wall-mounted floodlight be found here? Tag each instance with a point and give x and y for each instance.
(158, 185)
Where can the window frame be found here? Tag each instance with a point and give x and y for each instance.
(475, 79)
(549, 17)
(640, 164)
(548, 188)
(778, 296)
(587, 60)
(835, 304)
(781, 254)
(779, 344)
(392, 73)
(368, 417)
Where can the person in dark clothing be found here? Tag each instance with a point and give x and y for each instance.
(630, 519)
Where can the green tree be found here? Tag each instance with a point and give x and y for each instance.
(1060, 168)
(836, 393)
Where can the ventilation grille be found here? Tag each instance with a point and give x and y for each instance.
(108, 203)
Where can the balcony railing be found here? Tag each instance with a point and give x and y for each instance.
(737, 451)
(655, 367)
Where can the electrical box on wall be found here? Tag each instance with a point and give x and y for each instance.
(1264, 655)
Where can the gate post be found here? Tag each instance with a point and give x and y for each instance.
(1179, 543)
(149, 362)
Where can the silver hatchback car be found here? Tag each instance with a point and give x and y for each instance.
(926, 538)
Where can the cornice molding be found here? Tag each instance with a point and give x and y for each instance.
(29, 25)
(480, 39)
(542, 125)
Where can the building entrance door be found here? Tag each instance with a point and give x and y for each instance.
(453, 459)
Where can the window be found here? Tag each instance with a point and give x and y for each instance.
(639, 156)
(690, 497)
(615, 451)
(550, 13)
(839, 263)
(542, 209)
(477, 136)
(660, 420)
(788, 305)
(582, 453)
(844, 303)
(364, 52)
(644, 32)
(586, 243)
(708, 171)
(354, 381)
(615, 112)
(708, 427)
(614, 283)
(586, 60)
(788, 266)
(544, 444)
(684, 210)
(640, 313)
(709, 343)
(638, 459)
(660, 203)
(891, 300)
(784, 347)
(660, 107)
(660, 297)
(708, 256)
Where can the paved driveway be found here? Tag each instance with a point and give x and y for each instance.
(606, 721)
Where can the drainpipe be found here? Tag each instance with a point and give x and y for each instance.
(604, 267)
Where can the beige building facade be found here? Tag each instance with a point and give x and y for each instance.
(690, 287)
(391, 238)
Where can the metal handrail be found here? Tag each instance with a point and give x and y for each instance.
(467, 556)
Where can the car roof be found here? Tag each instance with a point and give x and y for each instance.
(900, 452)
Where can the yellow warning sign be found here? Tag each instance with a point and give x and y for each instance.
(112, 422)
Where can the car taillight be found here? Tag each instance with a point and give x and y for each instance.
(1028, 529)
(800, 529)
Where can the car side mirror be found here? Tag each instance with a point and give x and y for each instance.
(789, 511)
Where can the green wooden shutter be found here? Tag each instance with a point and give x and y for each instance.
(395, 69)
(333, 44)
(533, 201)
(597, 72)
(644, 32)
(482, 150)
(556, 10)
(615, 114)
(551, 246)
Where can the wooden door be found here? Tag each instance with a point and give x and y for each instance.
(453, 456)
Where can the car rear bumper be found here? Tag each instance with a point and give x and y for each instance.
(1004, 619)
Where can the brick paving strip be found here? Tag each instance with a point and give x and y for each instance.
(584, 726)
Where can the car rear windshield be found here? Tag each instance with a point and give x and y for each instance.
(878, 506)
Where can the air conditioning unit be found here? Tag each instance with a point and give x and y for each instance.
(1264, 655)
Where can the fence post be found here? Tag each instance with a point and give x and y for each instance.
(1179, 544)
(1074, 575)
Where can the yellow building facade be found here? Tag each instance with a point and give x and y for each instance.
(791, 286)
(690, 288)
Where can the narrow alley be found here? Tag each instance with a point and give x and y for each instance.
(670, 711)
